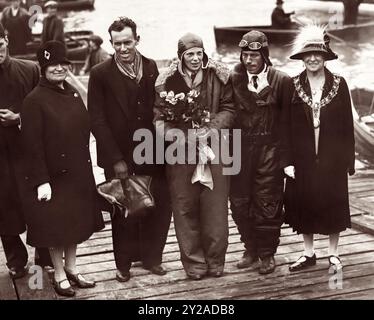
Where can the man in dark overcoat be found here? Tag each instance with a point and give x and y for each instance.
(351, 11)
(17, 79)
(16, 21)
(120, 100)
(53, 26)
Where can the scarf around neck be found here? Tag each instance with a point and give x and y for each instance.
(132, 71)
(192, 84)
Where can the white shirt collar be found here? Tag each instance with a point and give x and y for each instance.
(262, 80)
(14, 12)
(263, 72)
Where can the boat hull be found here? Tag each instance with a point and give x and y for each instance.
(230, 36)
(76, 44)
(62, 5)
(364, 133)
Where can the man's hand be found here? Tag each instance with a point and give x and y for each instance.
(120, 170)
(290, 171)
(44, 192)
(8, 118)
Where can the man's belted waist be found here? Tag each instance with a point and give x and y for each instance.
(258, 138)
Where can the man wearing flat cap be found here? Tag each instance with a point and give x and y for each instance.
(17, 79)
(256, 195)
(95, 56)
(53, 26)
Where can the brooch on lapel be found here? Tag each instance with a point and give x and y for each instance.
(47, 54)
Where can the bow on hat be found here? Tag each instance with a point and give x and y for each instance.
(52, 52)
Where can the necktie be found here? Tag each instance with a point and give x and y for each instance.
(193, 76)
(255, 84)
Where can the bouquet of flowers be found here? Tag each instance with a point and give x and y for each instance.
(184, 109)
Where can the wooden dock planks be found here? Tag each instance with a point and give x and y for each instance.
(96, 261)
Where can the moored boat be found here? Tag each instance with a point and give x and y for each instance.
(76, 44)
(230, 36)
(363, 117)
(62, 4)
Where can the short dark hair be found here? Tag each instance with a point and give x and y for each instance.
(120, 24)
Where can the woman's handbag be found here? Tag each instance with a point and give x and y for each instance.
(131, 195)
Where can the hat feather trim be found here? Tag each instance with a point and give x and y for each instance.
(312, 34)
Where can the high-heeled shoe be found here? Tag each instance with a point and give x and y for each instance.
(66, 292)
(79, 280)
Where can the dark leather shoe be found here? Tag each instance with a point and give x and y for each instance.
(17, 273)
(216, 274)
(79, 280)
(195, 276)
(303, 262)
(246, 261)
(336, 263)
(66, 292)
(267, 265)
(159, 270)
(137, 264)
(122, 276)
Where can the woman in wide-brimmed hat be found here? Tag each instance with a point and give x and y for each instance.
(61, 193)
(318, 133)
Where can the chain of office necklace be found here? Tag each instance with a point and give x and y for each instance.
(316, 107)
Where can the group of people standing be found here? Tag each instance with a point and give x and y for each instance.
(17, 22)
(297, 128)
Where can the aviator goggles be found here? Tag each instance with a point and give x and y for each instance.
(255, 45)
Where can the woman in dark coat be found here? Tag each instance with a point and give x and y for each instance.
(63, 209)
(319, 134)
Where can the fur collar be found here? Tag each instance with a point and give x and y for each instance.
(221, 71)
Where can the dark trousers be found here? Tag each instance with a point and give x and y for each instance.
(200, 218)
(143, 239)
(256, 199)
(16, 253)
